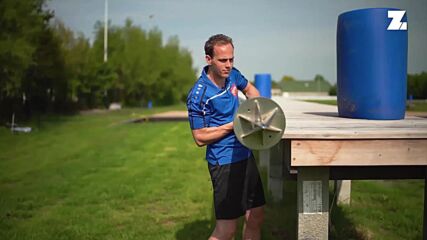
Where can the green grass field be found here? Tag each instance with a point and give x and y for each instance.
(417, 106)
(95, 177)
(381, 210)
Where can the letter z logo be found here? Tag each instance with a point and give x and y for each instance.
(396, 20)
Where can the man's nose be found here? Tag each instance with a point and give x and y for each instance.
(228, 63)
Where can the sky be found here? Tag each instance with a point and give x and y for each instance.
(280, 37)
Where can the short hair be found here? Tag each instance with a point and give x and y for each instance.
(217, 39)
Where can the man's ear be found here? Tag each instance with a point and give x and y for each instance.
(208, 59)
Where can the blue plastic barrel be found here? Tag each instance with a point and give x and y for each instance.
(263, 84)
(371, 65)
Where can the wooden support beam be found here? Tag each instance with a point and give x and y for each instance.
(359, 152)
(275, 172)
(343, 191)
(288, 172)
(313, 203)
(264, 158)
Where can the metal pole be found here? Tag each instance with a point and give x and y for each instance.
(106, 31)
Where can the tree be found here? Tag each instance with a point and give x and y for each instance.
(319, 78)
(45, 82)
(275, 84)
(22, 25)
(333, 90)
(47, 67)
(146, 70)
(76, 50)
(287, 78)
(417, 85)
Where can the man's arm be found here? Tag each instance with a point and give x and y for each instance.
(208, 135)
(250, 91)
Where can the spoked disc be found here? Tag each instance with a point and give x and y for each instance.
(259, 123)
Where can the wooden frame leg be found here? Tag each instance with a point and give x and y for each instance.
(264, 158)
(313, 202)
(275, 172)
(343, 192)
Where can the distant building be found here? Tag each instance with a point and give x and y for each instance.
(276, 92)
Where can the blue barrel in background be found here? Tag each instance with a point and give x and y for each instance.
(371, 65)
(263, 84)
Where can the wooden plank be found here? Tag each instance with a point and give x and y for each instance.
(358, 152)
(318, 121)
(357, 129)
(339, 123)
(353, 134)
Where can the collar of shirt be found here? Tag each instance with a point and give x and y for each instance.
(209, 82)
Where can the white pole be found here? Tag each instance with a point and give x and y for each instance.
(106, 31)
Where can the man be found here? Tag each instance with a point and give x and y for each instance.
(212, 104)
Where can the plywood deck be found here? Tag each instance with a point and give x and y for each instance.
(306, 120)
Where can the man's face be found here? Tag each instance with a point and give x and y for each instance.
(222, 61)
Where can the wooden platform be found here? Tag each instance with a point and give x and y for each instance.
(320, 138)
(317, 146)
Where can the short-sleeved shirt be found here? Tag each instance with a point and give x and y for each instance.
(210, 106)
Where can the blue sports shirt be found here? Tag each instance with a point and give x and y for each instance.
(210, 106)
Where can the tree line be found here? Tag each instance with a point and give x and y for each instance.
(45, 67)
(416, 86)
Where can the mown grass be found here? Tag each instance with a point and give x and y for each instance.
(417, 106)
(92, 177)
(96, 177)
(385, 210)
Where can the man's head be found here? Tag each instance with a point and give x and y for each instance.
(219, 52)
(218, 39)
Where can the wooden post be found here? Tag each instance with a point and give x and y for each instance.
(275, 172)
(343, 192)
(313, 202)
(264, 158)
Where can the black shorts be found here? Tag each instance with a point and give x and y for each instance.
(237, 187)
